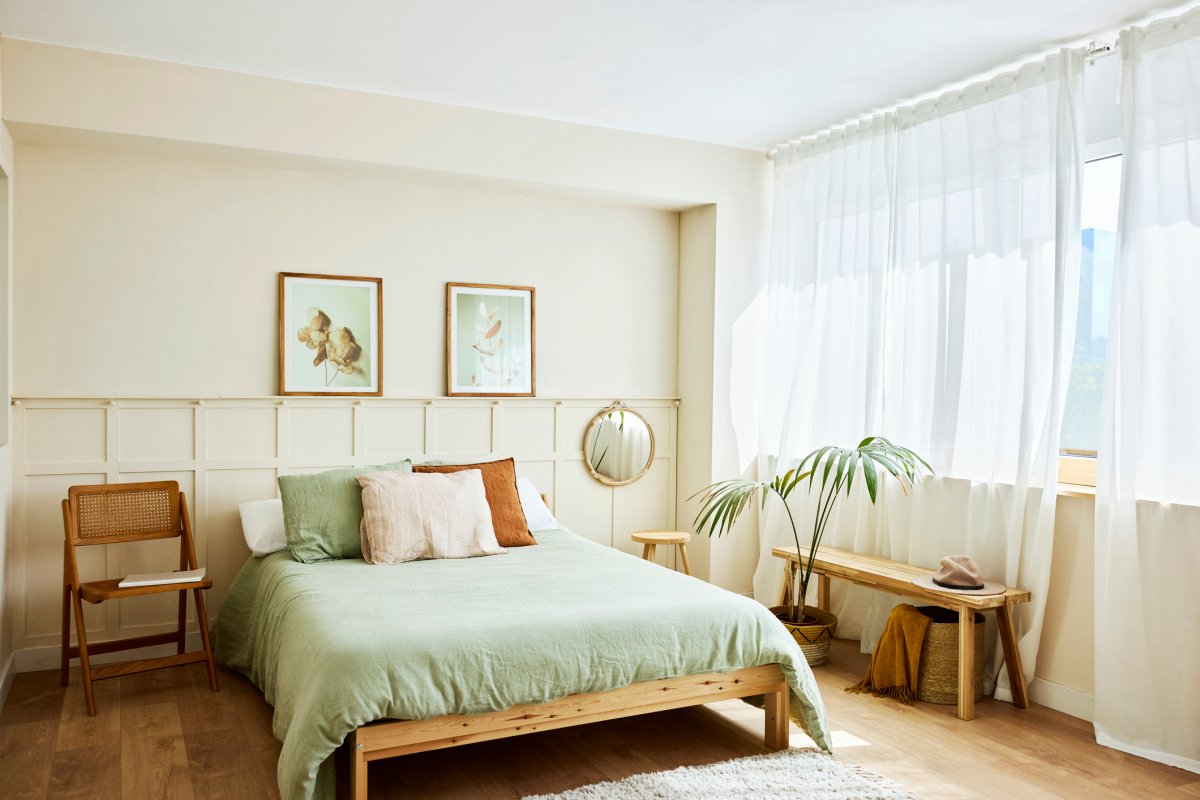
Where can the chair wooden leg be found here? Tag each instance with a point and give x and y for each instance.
(181, 630)
(202, 619)
(66, 636)
(84, 665)
(687, 566)
(776, 704)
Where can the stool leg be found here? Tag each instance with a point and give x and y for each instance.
(966, 663)
(653, 552)
(687, 567)
(645, 552)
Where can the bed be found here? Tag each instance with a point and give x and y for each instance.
(398, 659)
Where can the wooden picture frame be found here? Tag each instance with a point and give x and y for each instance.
(343, 338)
(480, 361)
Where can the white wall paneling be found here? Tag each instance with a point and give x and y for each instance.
(226, 451)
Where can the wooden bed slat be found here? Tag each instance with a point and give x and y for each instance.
(387, 739)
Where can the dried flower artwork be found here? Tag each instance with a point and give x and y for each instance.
(335, 338)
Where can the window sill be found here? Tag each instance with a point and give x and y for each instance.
(1077, 490)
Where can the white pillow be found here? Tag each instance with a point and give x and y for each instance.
(408, 516)
(262, 525)
(537, 514)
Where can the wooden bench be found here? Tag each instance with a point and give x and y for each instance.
(896, 577)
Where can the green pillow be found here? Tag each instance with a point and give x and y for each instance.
(322, 512)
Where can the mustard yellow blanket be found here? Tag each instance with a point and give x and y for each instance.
(896, 662)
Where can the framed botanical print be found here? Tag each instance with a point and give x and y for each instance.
(330, 335)
(490, 340)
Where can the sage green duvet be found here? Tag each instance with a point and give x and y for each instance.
(337, 644)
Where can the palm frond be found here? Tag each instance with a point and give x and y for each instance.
(722, 503)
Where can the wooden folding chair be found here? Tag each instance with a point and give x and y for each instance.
(128, 512)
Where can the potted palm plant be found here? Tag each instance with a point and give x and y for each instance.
(722, 503)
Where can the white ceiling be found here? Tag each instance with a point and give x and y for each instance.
(741, 72)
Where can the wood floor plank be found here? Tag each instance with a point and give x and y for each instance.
(26, 753)
(228, 750)
(34, 697)
(222, 766)
(76, 730)
(154, 760)
(92, 772)
(202, 710)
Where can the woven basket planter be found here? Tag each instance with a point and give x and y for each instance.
(814, 638)
(937, 680)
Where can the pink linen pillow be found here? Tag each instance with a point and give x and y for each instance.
(410, 516)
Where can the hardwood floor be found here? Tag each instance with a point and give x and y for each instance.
(163, 734)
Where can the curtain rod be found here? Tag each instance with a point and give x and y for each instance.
(1096, 49)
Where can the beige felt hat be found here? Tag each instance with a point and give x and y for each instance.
(959, 575)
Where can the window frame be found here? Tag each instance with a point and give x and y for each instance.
(1077, 468)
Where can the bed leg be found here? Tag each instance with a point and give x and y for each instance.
(358, 767)
(776, 704)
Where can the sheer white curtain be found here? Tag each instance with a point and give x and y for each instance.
(1148, 491)
(922, 287)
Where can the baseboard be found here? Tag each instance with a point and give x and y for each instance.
(1061, 698)
(6, 678)
(33, 659)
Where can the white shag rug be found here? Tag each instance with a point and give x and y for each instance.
(787, 775)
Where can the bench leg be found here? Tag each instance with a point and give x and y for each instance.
(785, 588)
(1012, 657)
(358, 768)
(776, 704)
(966, 663)
(823, 592)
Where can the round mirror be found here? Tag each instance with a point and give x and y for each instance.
(618, 446)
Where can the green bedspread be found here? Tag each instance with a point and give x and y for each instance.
(337, 644)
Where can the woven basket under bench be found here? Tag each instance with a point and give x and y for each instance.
(937, 680)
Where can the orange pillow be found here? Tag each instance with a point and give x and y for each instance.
(500, 486)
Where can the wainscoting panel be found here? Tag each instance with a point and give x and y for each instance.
(226, 451)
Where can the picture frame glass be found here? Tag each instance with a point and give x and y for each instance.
(490, 343)
(330, 335)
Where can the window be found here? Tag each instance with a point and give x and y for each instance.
(1081, 423)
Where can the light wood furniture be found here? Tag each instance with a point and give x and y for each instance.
(896, 577)
(112, 514)
(388, 739)
(650, 539)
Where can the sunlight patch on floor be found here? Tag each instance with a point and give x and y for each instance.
(847, 739)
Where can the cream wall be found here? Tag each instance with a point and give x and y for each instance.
(1064, 678)
(8, 594)
(64, 96)
(142, 275)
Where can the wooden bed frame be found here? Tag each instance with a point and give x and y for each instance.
(390, 738)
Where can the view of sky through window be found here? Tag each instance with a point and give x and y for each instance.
(1101, 202)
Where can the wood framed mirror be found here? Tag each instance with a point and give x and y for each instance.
(618, 446)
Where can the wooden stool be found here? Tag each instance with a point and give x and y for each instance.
(649, 539)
